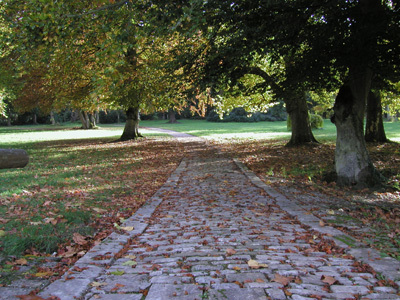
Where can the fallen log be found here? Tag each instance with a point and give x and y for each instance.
(13, 158)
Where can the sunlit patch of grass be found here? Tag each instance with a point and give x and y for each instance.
(77, 186)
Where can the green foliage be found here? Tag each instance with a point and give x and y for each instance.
(316, 122)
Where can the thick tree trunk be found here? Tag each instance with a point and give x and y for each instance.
(131, 130)
(172, 116)
(374, 129)
(352, 162)
(301, 127)
(13, 158)
(84, 119)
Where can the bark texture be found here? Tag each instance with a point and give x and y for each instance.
(13, 158)
(131, 130)
(374, 129)
(172, 116)
(297, 109)
(352, 162)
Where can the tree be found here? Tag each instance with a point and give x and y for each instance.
(95, 54)
(324, 44)
(374, 129)
(227, 54)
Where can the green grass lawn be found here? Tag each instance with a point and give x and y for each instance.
(259, 130)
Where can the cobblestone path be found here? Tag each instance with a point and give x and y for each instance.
(211, 233)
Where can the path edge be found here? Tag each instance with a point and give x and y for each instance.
(386, 266)
(76, 282)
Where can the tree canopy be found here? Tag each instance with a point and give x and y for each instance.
(156, 54)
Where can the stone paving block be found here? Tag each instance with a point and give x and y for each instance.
(276, 294)
(375, 296)
(10, 293)
(355, 290)
(117, 297)
(172, 291)
(83, 271)
(246, 277)
(170, 279)
(385, 289)
(237, 294)
(66, 289)
(207, 280)
(298, 297)
(124, 283)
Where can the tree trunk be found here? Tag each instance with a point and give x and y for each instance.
(13, 158)
(131, 130)
(352, 162)
(172, 116)
(52, 118)
(91, 120)
(84, 120)
(374, 130)
(35, 122)
(297, 109)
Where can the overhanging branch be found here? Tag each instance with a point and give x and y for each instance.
(105, 7)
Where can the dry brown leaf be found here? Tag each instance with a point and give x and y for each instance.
(79, 239)
(230, 251)
(282, 279)
(328, 279)
(21, 262)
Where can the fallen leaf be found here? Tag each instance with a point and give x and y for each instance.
(328, 279)
(130, 256)
(98, 284)
(118, 272)
(127, 228)
(282, 279)
(255, 264)
(2, 233)
(71, 251)
(321, 223)
(130, 263)
(79, 239)
(21, 262)
(230, 251)
(99, 210)
(44, 274)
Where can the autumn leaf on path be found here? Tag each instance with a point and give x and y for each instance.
(98, 284)
(230, 251)
(328, 279)
(282, 279)
(34, 297)
(255, 264)
(127, 228)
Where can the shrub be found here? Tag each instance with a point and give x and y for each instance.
(315, 120)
